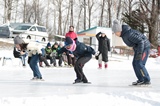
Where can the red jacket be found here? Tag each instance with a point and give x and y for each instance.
(71, 34)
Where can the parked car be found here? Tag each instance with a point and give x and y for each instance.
(31, 31)
(5, 32)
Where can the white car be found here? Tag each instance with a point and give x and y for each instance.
(31, 31)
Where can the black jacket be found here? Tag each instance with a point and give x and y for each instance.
(103, 46)
(81, 50)
(16, 53)
(135, 39)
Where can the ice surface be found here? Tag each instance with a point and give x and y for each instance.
(109, 87)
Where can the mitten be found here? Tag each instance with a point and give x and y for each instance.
(139, 56)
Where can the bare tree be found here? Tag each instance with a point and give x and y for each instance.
(149, 10)
(109, 13)
(24, 11)
(119, 9)
(7, 10)
(101, 14)
(71, 5)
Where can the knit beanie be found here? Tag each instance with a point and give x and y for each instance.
(117, 27)
(48, 44)
(18, 40)
(68, 41)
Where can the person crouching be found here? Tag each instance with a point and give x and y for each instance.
(34, 53)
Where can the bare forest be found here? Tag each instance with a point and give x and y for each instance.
(57, 15)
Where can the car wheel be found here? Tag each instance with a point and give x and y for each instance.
(43, 39)
(28, 37)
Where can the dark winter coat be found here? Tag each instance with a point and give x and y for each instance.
(135, 39)
(16, 53)
(103, 46)
(81, 50)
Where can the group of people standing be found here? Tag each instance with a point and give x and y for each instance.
(81, 53)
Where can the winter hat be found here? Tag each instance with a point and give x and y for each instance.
(68, 41)
(117, 27)
(18, 40)
(55, 43)
(48, 44)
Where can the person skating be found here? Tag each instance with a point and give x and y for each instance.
(82, 52)
(141, 47)
(17, 52)
(103, 48)
(34, 53)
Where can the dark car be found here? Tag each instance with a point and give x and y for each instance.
(4, 32)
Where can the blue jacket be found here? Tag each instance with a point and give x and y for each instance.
(81, 50)
(135, 39)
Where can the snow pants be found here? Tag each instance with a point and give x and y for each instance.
(79, 64)
(139, 66)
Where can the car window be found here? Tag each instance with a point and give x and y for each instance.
(4, 29)
(22, 27)
(33, 28)
(41, 29)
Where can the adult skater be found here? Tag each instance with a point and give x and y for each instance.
(141, 47)
(82, 52)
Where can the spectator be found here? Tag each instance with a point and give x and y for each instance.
(48, 51)
(71, 33)
(43, 59)
(103, 48)
(55, 55)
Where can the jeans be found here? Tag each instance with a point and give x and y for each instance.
(34, 66)
(139, 66)
(22, 57)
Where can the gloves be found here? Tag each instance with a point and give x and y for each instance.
(29, 59)
(139, 56)
(97, 57)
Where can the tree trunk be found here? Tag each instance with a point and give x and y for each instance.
(85, 15)
(71, 20)
(119, 9)
(101, 16)
(109, 13)
(24, 11)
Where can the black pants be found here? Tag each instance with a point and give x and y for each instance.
(59, 60)
(79, 67)
(43, 59)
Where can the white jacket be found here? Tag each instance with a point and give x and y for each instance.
(33, 48)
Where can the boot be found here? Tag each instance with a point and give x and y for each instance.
(106, 66)
(40, 64)
(100, 66)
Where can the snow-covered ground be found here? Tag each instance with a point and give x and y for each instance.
(109, 87)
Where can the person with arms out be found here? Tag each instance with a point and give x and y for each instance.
(82, 52)
(103, 48)
(141, 47)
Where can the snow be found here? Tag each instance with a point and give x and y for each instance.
(109, 87)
